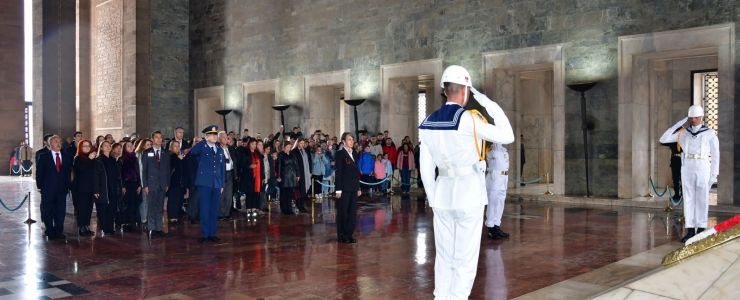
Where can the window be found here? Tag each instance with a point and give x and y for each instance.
(27, 123)
(421, 109)
(706, 93)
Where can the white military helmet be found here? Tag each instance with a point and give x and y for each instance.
(456, 74)
(696, 111)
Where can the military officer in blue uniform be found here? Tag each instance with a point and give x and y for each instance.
(209, 181)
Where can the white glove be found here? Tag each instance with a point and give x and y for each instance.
(679, 124)
(482, 99)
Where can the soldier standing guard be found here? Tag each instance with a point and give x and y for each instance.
(699, 167)
(209, 181)
(675, 167)
(497, 179)
(452, 142)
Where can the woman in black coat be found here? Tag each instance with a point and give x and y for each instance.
(112, 188)
(287, 177)
(251, 177)
(131, 187)
(179, 182)
(84, 186)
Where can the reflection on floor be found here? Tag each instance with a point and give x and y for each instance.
(297, 257)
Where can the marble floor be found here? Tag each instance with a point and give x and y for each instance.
(297, 257)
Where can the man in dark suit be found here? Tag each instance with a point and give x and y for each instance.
(347, 182)
(44, 147)
(305, 167)
(155, 170)
(179, 136)
(53, 179)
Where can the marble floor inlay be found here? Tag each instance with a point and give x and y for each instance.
(297, 257)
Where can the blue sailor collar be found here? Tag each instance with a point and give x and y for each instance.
(446, 117)
(698, 131)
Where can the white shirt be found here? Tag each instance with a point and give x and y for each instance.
(227, 156)
(454, 149)
(54, 155)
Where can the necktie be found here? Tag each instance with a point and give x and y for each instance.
(157, 155)
(58, 163)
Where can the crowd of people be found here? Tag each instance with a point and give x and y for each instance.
(130, 182)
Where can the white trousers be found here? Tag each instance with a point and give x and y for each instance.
(496, 190)
(457, 235)
(695, 181)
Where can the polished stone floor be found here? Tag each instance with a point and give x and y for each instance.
(297, 257)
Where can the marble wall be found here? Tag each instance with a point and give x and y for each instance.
(233, 42)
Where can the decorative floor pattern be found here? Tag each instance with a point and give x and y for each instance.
(42, 286)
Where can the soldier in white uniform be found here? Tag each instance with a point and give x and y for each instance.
(453, 143)
(497, 179)
(699, 167)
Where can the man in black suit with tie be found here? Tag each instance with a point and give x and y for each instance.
(347, 182)
(53, 169)
(155, 170)
(305, 168)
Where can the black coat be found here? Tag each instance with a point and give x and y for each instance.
(48, 180)
(287, 170)
(180, 173)
(299, 161)
(112, 175)
(347, 173)
(89, 177)
(246, 174)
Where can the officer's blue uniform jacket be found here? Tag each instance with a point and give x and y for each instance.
(211, 166)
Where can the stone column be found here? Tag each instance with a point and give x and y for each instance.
(58, 68)
(404, 94)
(11, 77)
(83, 68)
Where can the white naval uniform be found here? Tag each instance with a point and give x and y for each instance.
(699, 169)
(497, 179)
(458, 195)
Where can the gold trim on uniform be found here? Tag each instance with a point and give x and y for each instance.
(480, 149)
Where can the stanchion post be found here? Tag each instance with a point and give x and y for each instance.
(650, 191)
(29, 221)
(547, 179)
(313, 190)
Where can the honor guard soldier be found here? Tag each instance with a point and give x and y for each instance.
(209, 181)
(676, 167)
(453, 143)
(497, 179)
(699, 167)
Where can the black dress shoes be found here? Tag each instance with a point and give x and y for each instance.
(214, 239)
(690, 232)
(348, 241)
(203, 240)
(496, 233)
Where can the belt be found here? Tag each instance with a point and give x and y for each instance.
(505, 172)
(461, 171)
(676, 155)
(695, 156)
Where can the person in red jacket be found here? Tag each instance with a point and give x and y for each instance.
(390, 149)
